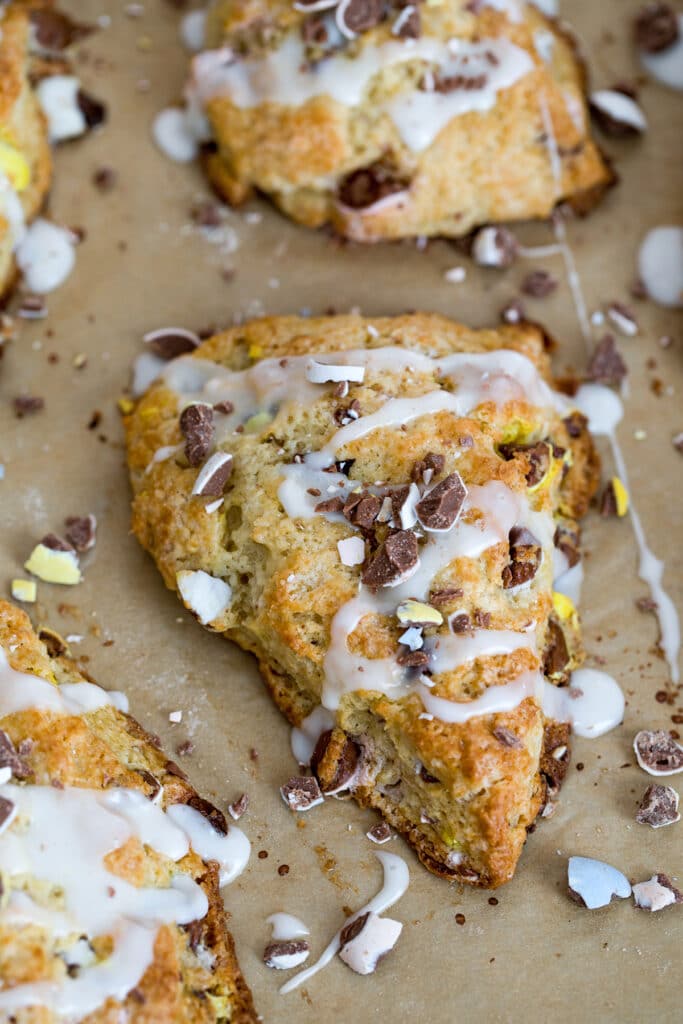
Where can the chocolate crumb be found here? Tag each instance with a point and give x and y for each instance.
(507, 738)
(658, 807)
(238, 807)
(283, 870)
(655, 27)
(185, 749)
(27, 405)
(81, 532)
(105, 179)
(607, 365)
(301, 793)
(539, 284)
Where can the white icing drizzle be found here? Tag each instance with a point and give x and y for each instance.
(231, 851)
(45, 255)
(284, 77)
(604, 410)
(667, 65)
(58, 98)
(660, 265)
(147, 367)
(286, 926)
(570, 580)
(396, 880)
(305, 736)
(20, 691)
(593, 703)
(493, 701)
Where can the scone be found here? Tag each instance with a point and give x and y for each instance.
(377, 509)
(390, 120)
(110, 861)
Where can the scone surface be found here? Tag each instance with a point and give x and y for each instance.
(463, 796)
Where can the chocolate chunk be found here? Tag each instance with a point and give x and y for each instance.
(207, 810)
(427, 776)
(214, 475)
(301, 793)
(94, 112)
(396, 557)
(658, 753)
(185, 749)
(55, 543)
(104, 178)
(646, 604)
(658, 807)
(6, 808)
(171, 344)
(607, 365)
(362, 509)
(556, 654)
(608, 502)
(576, 424)
(555, 755)
(334, 761)
(433, 461)
(538, 456)
(482, 620)
(408, 25)
(196, 426)
(507, 738)
(81, 532)
(330, 505)
(9, 758)
(461, 623)
(224, 407)
(453, 83)
(360, 15)
(55, 31)
(445, 596)
(238, 807)
(151, 781)
(33, 307)
(567, 541)
(171, 767)
(367, 185)
(525, 557)
(539, 284)
(26, 405)
(413, 659)
(353, 929)
(379, 833)
(285, 953)
(440, 507)
(655, 28)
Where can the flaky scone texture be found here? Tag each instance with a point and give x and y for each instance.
(465, 114)
(25, 159)
(194, 976)
(462, 796)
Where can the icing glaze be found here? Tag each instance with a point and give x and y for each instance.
(660, 265)
(593, 703)
(286, 926)
(283, 76)
(396, 880)
(20, 691)
(305, 736)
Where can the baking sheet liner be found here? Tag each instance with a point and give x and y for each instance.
(533, 955)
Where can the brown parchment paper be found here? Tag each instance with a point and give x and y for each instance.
(534, 955)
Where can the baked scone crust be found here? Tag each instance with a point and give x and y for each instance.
(102, 749)
(288, 581)
(515, 161)
(22, 127)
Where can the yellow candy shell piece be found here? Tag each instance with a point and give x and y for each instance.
(24, 590)
(54, 566)
(15, 166)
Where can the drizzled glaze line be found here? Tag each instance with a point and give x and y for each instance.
(396, 880)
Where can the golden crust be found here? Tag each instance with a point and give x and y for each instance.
(288, 582)
(483, 167)
(102, 749)
(22, 126)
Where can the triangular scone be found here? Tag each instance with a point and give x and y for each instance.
(108, 910)
(391, 120)
(320, 477)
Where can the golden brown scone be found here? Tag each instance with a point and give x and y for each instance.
(61, 760)
(439, 404)
(389, 120)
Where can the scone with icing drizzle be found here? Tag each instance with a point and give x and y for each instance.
(378, 509)
(391, 120)
(111, 864)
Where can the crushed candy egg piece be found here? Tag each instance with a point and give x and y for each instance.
(24, 590)
(54, 566)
